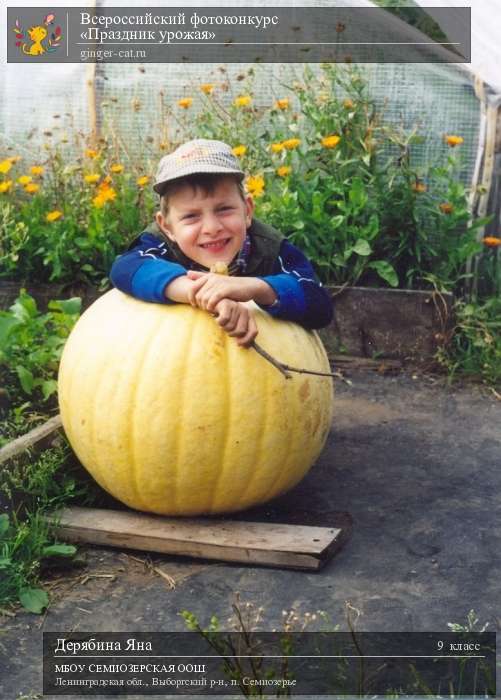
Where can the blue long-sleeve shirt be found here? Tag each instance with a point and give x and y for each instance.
(144, 271)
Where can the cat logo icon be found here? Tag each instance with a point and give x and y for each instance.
(40, 38)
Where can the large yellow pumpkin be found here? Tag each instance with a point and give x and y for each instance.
(171, 416)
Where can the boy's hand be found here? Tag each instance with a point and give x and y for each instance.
(236, 319)
(208, 289)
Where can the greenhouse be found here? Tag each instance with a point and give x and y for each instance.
(250, 350)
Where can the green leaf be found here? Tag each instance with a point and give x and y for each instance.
(26, 378)
(7, 323)
(336, 221)
(59, 550)
(362, 247)
(24, 307)
(385, 271)
(67, 306)
(4, 524)
(49, 387)
(33, 599)
(357, 194)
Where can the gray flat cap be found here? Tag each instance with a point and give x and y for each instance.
(197, 156)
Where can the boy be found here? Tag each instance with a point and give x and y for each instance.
(206, 217)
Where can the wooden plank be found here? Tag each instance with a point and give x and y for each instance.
(352, 362)
(30, 440)
(269, 544)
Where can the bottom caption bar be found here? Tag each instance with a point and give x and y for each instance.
(271, 663)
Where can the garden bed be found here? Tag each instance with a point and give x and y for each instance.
(388, 323)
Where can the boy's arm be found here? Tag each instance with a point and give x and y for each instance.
(145, 273)
(300, 295)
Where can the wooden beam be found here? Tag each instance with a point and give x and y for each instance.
(268, 544)
(30, 440)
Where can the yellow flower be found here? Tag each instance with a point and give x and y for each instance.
(93, 177)
(142, 181)
(36, 170)
(106, 194)
(91, 153)
(54, 215)
(185, 102)
(282, 104)
(348, 104)
(207, 88)
(284, 170)
(446, 208)
(163, 146)
(277, 147)
(419, 187)
(5, 166)
(5, 186)
(453, 141)
(331, 141)
(291, 144)
(239, 151)
(242, 101)
(117, 168)
(492, 241)
(255, 185)
(24, 179)
(31, 188)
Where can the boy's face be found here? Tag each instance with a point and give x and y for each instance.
(208, 227)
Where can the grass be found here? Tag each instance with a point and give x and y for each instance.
(28, 546)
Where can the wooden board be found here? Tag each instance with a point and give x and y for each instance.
(33, 439)
(268, 544)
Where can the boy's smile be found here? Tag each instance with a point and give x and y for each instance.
(208, 226)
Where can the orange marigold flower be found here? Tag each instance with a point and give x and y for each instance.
(54, 215)
(446, 208)
(5, 186)
(36, 170)
(291, 144)
(255, 185)
(242, 101)
(284, 170)
(185, 102)
(419, 187)
(91, 153)
(5, 166)
(24, 179)
(207, 88)
(348, 104)
(142, 181)
(277, 147)
(239, 150)
(331, 141)
(453, 141)
(117, 168)
(92, 178)
(492, 241)
(284, 103)
(31, 188)
(106, 194)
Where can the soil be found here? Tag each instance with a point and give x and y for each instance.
(411, 472)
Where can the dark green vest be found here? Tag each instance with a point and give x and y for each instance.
(265, 246)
